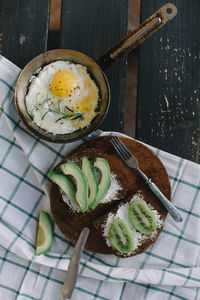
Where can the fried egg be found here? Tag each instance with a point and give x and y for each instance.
(62, 97)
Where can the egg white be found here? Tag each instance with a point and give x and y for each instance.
(39, 90)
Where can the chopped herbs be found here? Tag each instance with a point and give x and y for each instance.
(68, 113)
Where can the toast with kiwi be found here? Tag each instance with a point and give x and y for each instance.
(71, 221)
(131, 227)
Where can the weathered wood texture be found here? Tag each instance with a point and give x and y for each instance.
(24, 28)
(92, 27)
(168, 112)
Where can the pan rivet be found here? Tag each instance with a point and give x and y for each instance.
(169, 10)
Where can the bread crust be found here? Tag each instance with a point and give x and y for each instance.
(100, 223)
(71, 223)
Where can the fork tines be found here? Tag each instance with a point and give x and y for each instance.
(121, 148)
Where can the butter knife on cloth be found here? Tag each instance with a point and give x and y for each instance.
(72, 272)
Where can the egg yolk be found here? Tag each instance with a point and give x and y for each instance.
(63, 84)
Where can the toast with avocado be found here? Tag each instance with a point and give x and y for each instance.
(87, 183)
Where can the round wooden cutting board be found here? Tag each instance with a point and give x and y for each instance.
(71, 223)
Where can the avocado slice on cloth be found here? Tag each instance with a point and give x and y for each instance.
(45, 233)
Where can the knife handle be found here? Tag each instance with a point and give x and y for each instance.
(72, 272)
(173, 211)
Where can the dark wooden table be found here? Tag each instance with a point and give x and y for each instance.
(168, 110)
(168, 106)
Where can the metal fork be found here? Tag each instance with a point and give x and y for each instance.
(132, 162)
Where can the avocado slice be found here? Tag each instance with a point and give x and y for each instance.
(81, 183)
(103, 166)
(66, 185)
(89, 172)
(45, 233)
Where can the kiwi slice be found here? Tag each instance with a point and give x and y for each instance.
(121, 236)
(141, 217)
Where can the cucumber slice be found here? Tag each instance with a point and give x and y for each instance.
(66, 185)
(81, 183)
(45, 233)
(103, 166)
(89, 172)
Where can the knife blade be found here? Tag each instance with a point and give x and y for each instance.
(73, 268)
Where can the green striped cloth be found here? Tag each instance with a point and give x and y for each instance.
(169, 269)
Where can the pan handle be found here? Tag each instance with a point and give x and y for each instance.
(139, 35)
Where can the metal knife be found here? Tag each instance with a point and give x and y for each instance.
(72, 272)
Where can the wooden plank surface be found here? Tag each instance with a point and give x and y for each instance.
(24, 28)
(168, 112)
(92, 27)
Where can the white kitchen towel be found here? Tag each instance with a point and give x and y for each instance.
(166, 269)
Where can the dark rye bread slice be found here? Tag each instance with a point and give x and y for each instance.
(71, 223)
(102, 221)
(91, 154)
